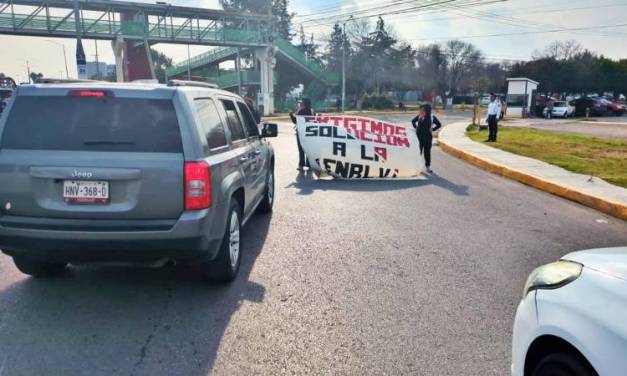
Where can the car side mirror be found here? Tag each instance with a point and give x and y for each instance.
(269, 130)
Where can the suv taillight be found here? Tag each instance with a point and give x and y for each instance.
(197, 186)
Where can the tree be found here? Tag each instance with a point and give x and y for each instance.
(462, 58)
(559, 50)
(278, 8)
(336, 43)
(160, 62)
(377, 58)
(308, 47)
(35, 76)
(566, 67)
(433, 69)
(284, 19)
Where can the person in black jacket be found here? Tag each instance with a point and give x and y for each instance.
(253, 109)
(304, 108)
(425, 123)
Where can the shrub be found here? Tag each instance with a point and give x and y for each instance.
(376, 101)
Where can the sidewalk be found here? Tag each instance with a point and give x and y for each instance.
(589, 191)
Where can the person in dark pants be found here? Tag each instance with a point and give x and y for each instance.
(425, 123)
(304, 108)
(494, 111)
(251, 106)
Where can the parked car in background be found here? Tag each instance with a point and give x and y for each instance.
(560, 109)
(595, 105)
(614, 108)
(571, 319)
(7, 86)
(484, 101)
(96, 171)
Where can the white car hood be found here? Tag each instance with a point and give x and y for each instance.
(611, 261)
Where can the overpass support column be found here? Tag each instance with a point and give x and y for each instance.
(118, 51)
(267, 63)
(133, 60)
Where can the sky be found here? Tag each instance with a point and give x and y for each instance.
(509, 29)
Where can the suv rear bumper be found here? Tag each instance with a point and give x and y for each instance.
(196, 234)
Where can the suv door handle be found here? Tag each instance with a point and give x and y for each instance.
(243, 159)
(257, 152)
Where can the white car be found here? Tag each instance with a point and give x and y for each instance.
(572, 319)
(560, 109)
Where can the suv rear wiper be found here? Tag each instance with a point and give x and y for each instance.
(108, 142)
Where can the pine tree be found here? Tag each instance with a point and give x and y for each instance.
(336, 43)
(277, 7)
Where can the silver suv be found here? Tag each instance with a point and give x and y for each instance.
(95, 171)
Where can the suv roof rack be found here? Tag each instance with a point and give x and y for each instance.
(192, 83)
(46, 80)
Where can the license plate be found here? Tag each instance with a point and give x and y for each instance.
(85, 192)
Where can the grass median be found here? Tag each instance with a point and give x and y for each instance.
(600, 157)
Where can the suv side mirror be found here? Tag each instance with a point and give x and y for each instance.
(269, 130)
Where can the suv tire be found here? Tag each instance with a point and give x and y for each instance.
(563, 364)
(225, 266)
(268, 197)
(38, 269)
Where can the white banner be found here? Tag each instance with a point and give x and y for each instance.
(354, 147)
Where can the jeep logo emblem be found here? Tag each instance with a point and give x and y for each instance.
(82, 174)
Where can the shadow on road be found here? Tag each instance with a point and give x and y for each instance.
(101, 320)
(306, 183)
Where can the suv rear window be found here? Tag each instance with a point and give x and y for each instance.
(92, 124)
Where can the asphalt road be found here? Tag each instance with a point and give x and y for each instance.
(345, 277)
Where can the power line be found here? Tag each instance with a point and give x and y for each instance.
(521, 10)
(524, 32)
(385, 10)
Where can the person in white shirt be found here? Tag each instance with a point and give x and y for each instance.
(494, 110)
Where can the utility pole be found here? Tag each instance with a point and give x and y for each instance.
(344, 62)
(81, 62)
(67, 72)
(97, 62)
(189, 65)
(238, 69)
(28, 71)
(343, 66)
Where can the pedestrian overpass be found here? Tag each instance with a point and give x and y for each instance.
(316, 79)
(133, 27)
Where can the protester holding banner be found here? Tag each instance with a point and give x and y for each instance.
(424, 125)
(304, 109)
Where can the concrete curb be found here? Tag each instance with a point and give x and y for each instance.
(615, 209)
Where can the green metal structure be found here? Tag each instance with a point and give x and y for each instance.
(142, 24)
(155, 23)
(316, 79)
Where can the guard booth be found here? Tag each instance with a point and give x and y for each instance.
(519, 96)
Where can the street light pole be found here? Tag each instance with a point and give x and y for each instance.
(67, 71)
(189, 65)
(28, 71)
(344, 63)
(343, 67)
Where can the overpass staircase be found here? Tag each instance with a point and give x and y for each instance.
(319, 78)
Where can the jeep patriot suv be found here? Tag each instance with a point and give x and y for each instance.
(94, 171)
